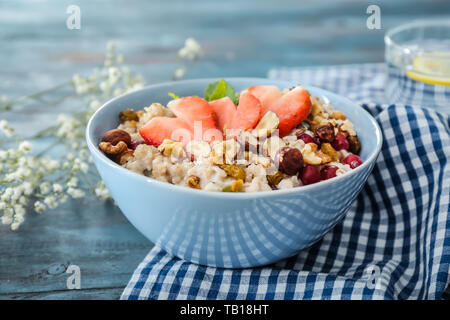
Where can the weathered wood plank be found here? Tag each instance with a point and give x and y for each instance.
(240, 38)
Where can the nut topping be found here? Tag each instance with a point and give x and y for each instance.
(233, 171)
(290, 160)
(275, 178)
(193, 182)
(128, 115)
(111, 149)
(326, 133)
(115, 136)
(330, 151)
(355, 144)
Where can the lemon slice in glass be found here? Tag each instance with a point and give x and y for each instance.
(432, 68)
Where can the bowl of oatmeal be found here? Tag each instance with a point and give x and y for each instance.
(234, 173)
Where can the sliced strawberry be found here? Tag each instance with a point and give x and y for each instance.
(160, 128)
(291, 108)
(247, 113)
(224, 109)
(266, 95)
(197, 112)
(192, 109)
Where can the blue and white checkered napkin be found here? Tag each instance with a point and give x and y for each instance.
(394, 242)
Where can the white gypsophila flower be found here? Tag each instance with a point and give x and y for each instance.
(6, 219)
(25, 146)
(27, 188)
(57, 188)
(94, 105)
(102, 192)
(51, 202)
(50, 164)
(6, 129)
(113, 75)
(73, 182)
(2, 205)
(19, 210)
(120, 59)
(191, 50)
(3, 98)
(45, 188)
(84, 167)
(39, 207)
(179, 73)
(75, 193)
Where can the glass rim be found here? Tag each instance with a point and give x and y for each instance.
(423, 23)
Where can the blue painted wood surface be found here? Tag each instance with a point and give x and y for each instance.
(240, 38)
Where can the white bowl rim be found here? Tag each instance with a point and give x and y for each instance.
(231, 195)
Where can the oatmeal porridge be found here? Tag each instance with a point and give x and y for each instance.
(259, 140)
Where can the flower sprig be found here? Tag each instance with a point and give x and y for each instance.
(31, 181)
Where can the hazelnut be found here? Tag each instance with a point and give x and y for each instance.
(355, 145)
(128, 115)
(290, 160)
(326, 133)
(115, 136)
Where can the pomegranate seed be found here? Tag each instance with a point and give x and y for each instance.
(328, 172)
(309, 175)
(352, 160)
(136, 143)
(340, 142)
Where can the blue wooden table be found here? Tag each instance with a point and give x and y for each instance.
(239, 38)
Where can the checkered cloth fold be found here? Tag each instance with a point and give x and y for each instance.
(394, 243)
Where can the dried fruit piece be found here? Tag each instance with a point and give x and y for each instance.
(309, 175)
(306, 138)
(325, 158)
(328, 172)
(354, 144)
(116, 135)
(340, 142)
(128, 115)
(338, 115)
(290, 160)
(352, 160)
(135, 144)
(275, 178)
(237, 185)
(193, 182)
(233, 171)
(326, 133)
(329, 150)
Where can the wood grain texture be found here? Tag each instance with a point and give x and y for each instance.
(240, 38)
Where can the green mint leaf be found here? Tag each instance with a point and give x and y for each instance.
(220, 89)
(173, 95)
